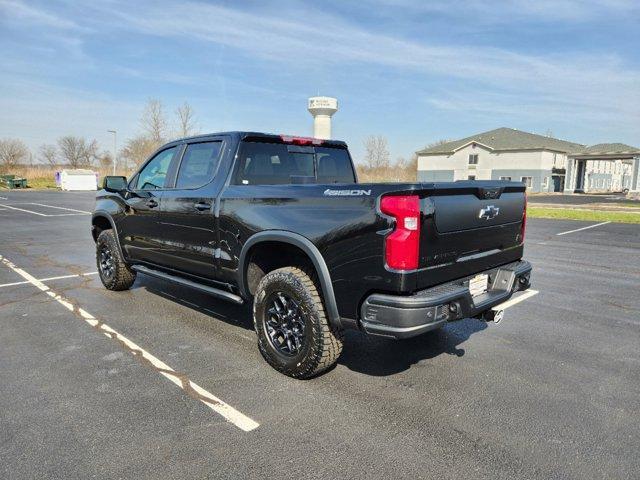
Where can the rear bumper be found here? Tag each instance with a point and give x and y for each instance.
(407, 316)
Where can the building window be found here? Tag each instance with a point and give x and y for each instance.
(545, 182)
(526, 181)
(508, 179)
(473, 159)
(471, 177)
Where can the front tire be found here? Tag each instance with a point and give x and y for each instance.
(294, 335)
(113, 270)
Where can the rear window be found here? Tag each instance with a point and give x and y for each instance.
(280, 164)
(334, 165)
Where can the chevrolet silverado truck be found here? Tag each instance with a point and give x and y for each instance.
(280, 223)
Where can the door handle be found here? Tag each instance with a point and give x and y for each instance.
(152, 203)
(202, 206)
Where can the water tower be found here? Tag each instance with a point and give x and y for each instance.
(322, 108)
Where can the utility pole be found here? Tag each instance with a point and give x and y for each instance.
(115, 150)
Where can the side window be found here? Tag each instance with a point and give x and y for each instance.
(473, 159)
(545, 182)
(153, 175)
(198, 164)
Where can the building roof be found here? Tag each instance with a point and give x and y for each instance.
(608, 148)
(506, 139)
(78, 171)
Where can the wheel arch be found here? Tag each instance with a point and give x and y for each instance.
(308, 248)
(100, 220)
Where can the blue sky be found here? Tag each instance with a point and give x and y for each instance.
(414, 71)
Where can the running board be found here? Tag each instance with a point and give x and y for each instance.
(230, 297)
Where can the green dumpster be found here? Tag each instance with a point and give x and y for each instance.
(10, 181)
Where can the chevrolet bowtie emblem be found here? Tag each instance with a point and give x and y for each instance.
(489, 212)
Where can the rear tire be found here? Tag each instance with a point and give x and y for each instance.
(294, 335)
(113, 270)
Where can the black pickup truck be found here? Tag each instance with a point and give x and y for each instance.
(281, 223)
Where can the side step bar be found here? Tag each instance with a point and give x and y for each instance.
(230, 297)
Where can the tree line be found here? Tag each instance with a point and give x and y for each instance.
(155, 130)
(377, 165)
(80, 152)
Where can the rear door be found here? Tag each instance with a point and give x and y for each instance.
(187, 213)
(139, 227)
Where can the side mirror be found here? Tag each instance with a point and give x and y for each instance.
(114, 184)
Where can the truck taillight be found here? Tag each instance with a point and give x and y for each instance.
(523, 227)
(402, 246)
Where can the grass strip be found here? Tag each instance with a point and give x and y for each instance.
(581, 214)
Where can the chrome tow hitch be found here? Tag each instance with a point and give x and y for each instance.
(494, 316)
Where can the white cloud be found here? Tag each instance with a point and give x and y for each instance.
(596, 81)
(19, 12)
(507, 11)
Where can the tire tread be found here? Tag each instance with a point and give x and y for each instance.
(124, 277)
(329, 339)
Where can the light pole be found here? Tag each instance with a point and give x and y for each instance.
(115, 150)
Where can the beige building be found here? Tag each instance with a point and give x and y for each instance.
(543, 163)
(606, 167)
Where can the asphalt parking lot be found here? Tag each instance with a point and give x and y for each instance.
(551, 392)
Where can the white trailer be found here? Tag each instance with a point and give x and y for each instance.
(78, 179)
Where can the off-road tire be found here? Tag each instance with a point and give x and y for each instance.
(122, 277)
(322, 342)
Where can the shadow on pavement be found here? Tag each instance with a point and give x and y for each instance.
(217, 309)
(370, 355)
(379, 356)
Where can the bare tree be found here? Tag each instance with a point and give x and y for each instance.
(105, 160)
(49, 154)
(153, 122)
(186, 120)
(138, 149)
(437, 143)
(404, 164)
(377, 152)
(12, 152)
(77, 151)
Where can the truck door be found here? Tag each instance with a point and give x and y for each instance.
(140, 238)
(187, 212)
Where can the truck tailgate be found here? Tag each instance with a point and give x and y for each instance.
(467, 211)
(468, 227)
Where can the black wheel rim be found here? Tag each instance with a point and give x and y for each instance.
(284, 324)
(106, 262)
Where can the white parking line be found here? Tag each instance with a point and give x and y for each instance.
(61, 208)
(49, 279)
(23, 210)
(77, 212)
(515, 301)
(583, 228)
(214, 403)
